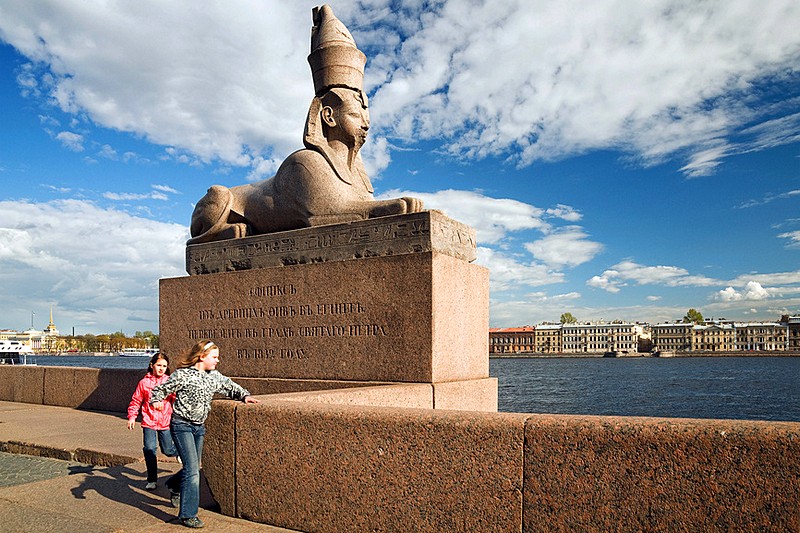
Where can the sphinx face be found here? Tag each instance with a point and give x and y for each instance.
(353, 122)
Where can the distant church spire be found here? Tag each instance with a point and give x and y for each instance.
(51, 327)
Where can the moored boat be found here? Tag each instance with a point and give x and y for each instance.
(15, 353)
(138, 352)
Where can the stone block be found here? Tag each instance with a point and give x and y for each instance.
(321, 467)
(383, 236)
(415, 396)
(69, 386)
(100, 389)
(258, 386)
(420, 318)
(468, 395)
(219, 456)
(638, 474)
(23, 384)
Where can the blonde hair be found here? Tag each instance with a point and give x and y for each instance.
(197, 352)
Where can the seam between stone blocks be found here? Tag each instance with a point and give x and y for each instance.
(522, 474)
(235, 461)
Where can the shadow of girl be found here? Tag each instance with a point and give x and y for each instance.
(121, 484)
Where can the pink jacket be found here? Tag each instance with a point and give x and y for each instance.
(141, 399)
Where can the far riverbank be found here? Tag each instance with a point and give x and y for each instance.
(532, 355)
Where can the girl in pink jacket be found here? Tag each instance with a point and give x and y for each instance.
(155, 424)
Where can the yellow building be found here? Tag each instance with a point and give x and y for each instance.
(672, 337)
(598, 338)
(761, 336)
(714, 338)
(548, 338)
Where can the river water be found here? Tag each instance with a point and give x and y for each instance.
(747, 388)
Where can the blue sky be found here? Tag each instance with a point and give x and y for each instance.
(619, 159)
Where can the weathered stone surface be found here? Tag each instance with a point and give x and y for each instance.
(90, 388)
(258, 386)
(21, 383)
(219, 455)
(319, 467)
(637, 474)
(419, 318)
(466, 395)
(390, 235)
(411, 395)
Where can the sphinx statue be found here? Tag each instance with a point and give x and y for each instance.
(324, 183)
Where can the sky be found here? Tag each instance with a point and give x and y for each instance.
(620, 160)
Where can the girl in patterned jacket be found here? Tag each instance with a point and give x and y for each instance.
(155, 423)
(194, 385)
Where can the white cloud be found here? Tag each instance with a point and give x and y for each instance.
(225, 81)
(628, 271)
(566, 77)
(606, 282)
(794, 238)
(508, 273)
(537, 81)
(165, 188)
(564, 212)
(565, 247)
(98, 267)
(73, 141)
(752, 291)
(705, 162)
(492, 218)
(130, 196)
(775, 278)
(770, 198)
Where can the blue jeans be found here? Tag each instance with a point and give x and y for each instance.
(152, 438)
(188, 439)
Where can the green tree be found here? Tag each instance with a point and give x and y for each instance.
(694, 316)
(567, 318)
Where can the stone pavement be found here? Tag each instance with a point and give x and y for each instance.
(72, 470)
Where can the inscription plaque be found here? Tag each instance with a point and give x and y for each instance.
(383, 236)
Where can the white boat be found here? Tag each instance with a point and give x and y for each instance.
(15, 353)
(138, 352)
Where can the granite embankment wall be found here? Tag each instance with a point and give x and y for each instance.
(351, 461)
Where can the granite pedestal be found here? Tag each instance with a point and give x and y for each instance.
(386, 300)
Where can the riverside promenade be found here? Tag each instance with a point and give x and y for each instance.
(96, 486)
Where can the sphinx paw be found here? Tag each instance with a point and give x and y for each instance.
(413, 205)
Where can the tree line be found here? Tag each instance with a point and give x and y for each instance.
(105, 342)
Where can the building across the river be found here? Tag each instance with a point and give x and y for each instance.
(45, 340)
(621, 338)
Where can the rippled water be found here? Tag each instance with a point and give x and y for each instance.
(750, 388)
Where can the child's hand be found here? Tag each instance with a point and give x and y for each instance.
(131, 423)
(250, 399)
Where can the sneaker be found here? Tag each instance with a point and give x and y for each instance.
(175, 498)
(151, 485)
(192, 522)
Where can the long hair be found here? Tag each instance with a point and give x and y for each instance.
(154, 360)
(197, 352)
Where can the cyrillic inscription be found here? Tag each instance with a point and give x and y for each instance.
(271, 322)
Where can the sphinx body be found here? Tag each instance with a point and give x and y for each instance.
(326, 182)
(304, 192)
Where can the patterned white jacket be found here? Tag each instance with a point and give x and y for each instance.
(194, 390)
